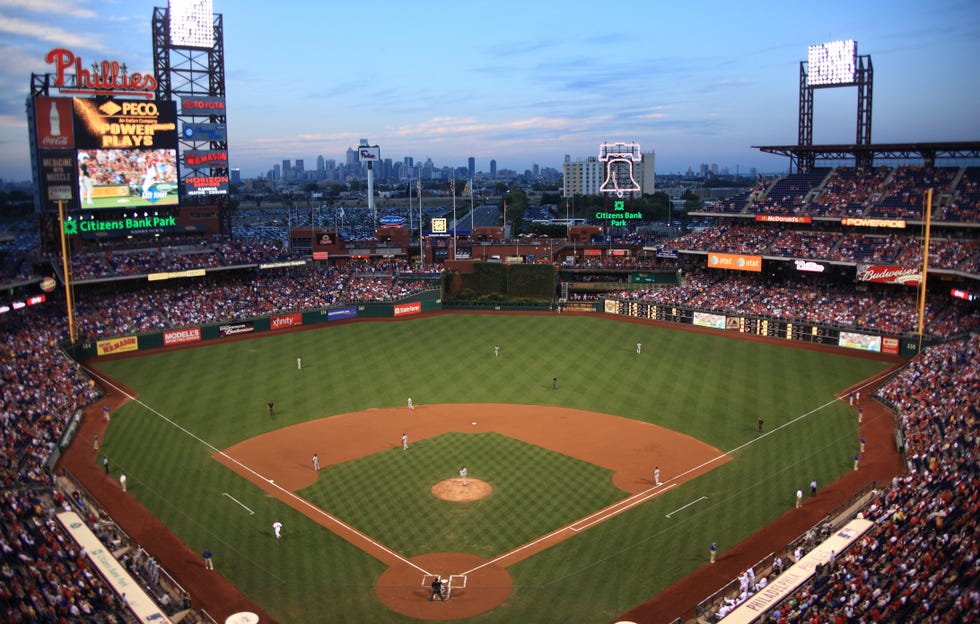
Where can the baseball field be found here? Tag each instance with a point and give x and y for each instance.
(568, 524)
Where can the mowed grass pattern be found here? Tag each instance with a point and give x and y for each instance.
(555, 489)
(711, 387)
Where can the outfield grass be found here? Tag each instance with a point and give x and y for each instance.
(711, 387)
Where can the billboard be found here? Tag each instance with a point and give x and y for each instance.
(735, 262)
(106, 153)
(368, 153)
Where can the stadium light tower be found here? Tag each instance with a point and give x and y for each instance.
(835, 64)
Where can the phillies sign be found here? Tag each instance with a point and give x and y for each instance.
(102, 77)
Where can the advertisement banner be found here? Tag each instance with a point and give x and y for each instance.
(782, 219)
(206, 185)
(884, 274)
(136, 599)
(124, 124)
(117, 345)
(205, 159)
(884, 223)
(205, 132)
(182, 336)
(756, 606)
(337, 314)
(889, 345)
(236, 328)
(57, 177)
(408, 308)
(285, 321)
(863, 342)
(54, 123)
(735, 262)
(703, 319)
(204, 106)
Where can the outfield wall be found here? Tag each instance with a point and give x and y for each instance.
(790, 330)
(259, 325)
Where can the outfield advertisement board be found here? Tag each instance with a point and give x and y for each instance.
(285, 321)
(775, 328)
(234, 329)
(117, 345)
(182, 336)
(404, 309)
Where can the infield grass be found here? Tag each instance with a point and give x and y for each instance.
(712, 387)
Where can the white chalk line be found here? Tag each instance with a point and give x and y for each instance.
(693, 502)
(647, 493)
(267, 480)
(252, 513)
(643, 496)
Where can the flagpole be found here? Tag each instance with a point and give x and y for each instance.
(421, 252)
(452, 189)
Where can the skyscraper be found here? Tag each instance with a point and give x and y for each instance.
(471, 165)
(493, 168)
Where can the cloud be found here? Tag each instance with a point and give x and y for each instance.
(51, 7)
(43, 31)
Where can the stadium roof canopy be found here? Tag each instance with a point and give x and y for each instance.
(806, 156)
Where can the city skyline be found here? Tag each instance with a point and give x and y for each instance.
(528, 84)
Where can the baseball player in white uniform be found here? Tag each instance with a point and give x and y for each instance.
(277, 529)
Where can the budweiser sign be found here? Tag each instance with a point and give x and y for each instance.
(101, 77)
(889, 274)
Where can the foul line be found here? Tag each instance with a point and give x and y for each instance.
(252, 513)
(601, 516)
(286, 493)
(687, 505)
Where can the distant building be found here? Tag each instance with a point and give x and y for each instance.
(646, 175)
(471, 166)
(582, 177)
(493, 168)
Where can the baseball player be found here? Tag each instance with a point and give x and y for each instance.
(656, 475)
(411, 405)
(404, 441)
(316, 462)
(462, 474)
(299, 363)
(277, 529)
(639, 348)
(496, 351)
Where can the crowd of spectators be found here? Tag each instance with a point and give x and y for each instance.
(921, 560)
(878, 308)
(44, 575)
(878, 192)
(898, 249)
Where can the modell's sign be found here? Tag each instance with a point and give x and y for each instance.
(889, 274)
(99, 77)
(182, 336)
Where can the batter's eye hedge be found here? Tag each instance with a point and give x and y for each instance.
(502, 281)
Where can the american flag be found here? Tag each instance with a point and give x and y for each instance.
(418, 187)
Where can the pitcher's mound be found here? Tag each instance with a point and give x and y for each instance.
(454, 490)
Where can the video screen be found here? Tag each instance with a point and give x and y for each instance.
(127, 178)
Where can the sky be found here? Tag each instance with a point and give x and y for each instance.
(528, 83)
